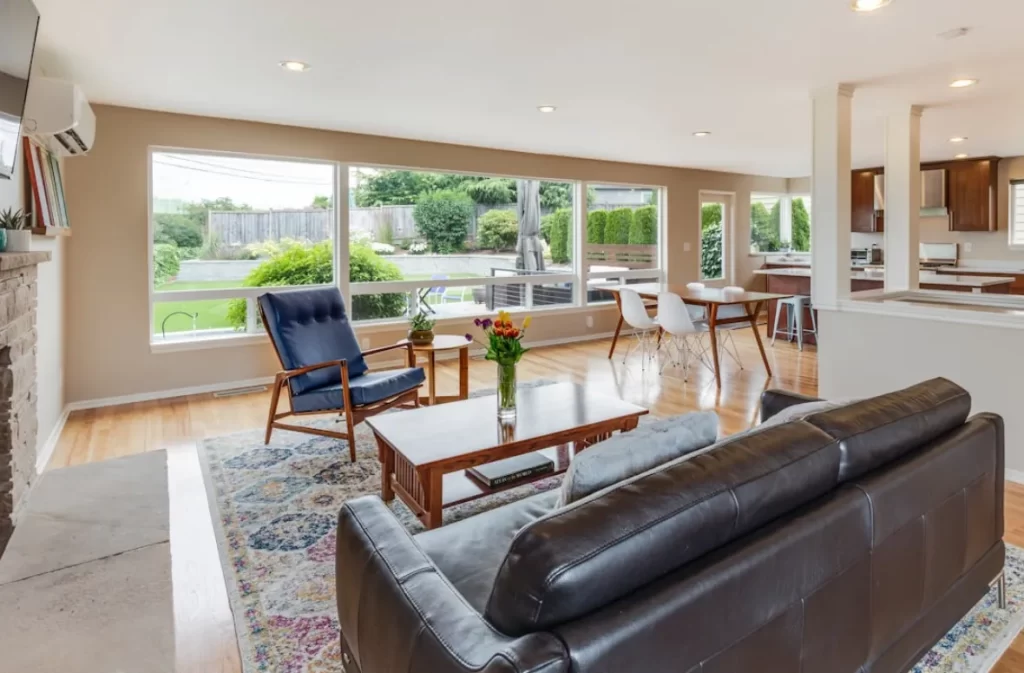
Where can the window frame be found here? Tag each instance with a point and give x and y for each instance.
(250, 333)
(578, 276)
(1011, 218)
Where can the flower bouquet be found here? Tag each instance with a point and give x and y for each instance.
(505, 348)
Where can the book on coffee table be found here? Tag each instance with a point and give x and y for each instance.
(509, 470)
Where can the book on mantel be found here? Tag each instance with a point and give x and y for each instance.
(517, 468)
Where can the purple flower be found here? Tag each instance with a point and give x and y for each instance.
(469, 337)
(486, 323)
(477, 322)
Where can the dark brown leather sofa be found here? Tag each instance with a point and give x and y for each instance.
(848, 541)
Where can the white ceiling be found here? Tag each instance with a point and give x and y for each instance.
(632, 81)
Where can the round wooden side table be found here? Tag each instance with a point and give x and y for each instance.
(445, 342)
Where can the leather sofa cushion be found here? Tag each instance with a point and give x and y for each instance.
(366, 389)
(469, 552)
(598, 549)
(880, 429)
(631, 453)
(309, 327)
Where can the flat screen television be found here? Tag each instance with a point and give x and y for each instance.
(19, 23)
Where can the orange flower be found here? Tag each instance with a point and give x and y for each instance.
(515, 333)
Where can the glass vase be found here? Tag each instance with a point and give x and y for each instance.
(506, 391)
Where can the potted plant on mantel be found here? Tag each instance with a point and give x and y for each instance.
(421, 330)
(14, 237)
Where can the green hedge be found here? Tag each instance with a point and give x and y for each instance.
(166, 262)
(443, 219)
(560, 230)
(178, 229)
(645, 226)
(620, 221)
(300, 264)
(497, 230)
(597, 220)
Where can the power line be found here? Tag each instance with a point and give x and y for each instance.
(191, 159)
(280, 179)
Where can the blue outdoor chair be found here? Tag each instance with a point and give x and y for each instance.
(323, 366)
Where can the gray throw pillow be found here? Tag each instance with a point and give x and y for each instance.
(631, 453)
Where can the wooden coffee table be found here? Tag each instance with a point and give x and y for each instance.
(424, 452)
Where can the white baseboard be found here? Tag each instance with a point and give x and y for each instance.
(47, 449)
(1016, 476)
(165, 394)
(267, 380)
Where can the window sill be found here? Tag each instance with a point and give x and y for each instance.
(229, 341)
(389, 325)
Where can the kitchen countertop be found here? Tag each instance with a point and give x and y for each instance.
(926, 277)
(986, 269)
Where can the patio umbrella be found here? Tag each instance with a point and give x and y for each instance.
(529, 249)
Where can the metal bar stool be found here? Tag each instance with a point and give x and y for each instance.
(795, 306)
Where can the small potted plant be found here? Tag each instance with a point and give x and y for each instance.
(13, 235)
(421, 330)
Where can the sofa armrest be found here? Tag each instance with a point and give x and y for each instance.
(399, 614)
(774, 401)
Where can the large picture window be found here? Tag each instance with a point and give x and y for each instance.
(780, 223)
(222, 227)
(623, 241)
(449, 244)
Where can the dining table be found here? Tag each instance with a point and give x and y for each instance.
(712, 299)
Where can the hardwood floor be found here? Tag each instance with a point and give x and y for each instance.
(204, 629)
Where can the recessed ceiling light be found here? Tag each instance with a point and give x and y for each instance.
(294, 66)
(868, 5)
(546, 108)
(957, 139)
(960, 156)
(962, 83)
(702, 134)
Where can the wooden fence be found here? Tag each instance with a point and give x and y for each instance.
(628, 256)
(244, 227)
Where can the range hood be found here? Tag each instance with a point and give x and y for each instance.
(933, 193)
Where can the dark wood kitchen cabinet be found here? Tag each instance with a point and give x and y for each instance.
(971, 194)
(862, 197)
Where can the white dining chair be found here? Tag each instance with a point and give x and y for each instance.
(645, 328)
(681, 333)
(726, 344)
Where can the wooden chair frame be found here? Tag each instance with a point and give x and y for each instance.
(409, 399)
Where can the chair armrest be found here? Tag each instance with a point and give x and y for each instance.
(774, 401)
(289, 373)
(410, 355)
(399, 614)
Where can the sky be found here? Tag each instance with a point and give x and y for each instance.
(260, 183)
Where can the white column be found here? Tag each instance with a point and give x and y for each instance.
(830, 194)
(902, 197)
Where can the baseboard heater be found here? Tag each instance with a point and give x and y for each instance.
(240, 391)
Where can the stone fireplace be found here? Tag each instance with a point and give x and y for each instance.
(18, 425)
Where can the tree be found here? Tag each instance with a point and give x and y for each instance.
(561, 235)
(492, 192)
(443, 218)
(764, 227)
(645, 226)
(596, 222)
(322, 202)
(801, 226)
(616, 231)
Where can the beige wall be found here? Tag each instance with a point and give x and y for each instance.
(107, 305)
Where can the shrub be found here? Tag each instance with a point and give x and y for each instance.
(545, 228)
(620, 221)
(300, 264)
(443, 219)
(382, 248)
(711, 250)
(180, 230)
(492, 191)
(166, 262)
(597, 220)
(645, 226)
(561, 235)
(418, 248)
(497, 230)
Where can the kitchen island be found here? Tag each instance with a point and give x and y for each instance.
(797, 281)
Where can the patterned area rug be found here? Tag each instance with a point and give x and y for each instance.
(278, 507)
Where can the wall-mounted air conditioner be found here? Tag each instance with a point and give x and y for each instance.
(57, 112)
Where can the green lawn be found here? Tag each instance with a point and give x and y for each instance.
(213, 313)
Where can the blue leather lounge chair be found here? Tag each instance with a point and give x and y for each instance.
(324, 369)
